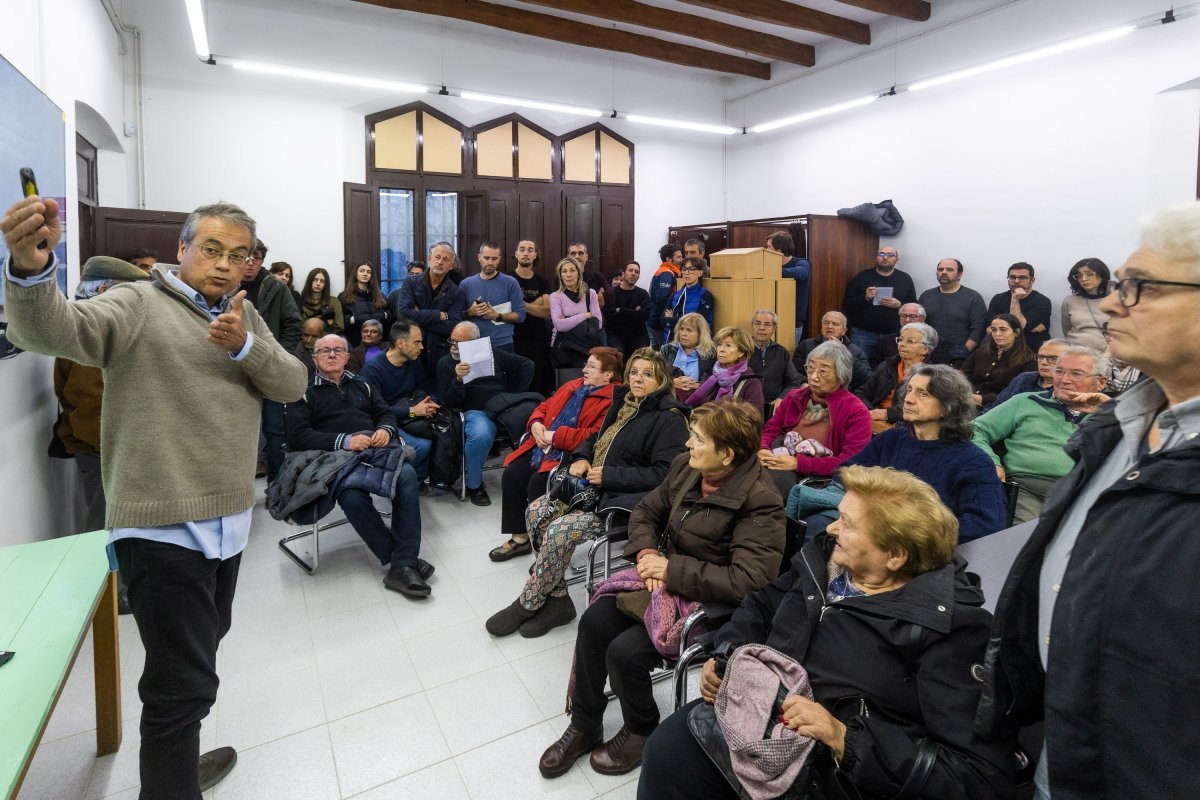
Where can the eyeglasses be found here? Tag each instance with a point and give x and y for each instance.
(902, 340)
(820, 372)
(1048, 359)
(331, 351)
(1083, 273)
(1019, 278)
(1076, 374)
(210, 253)
(911, 316)
(883, 254)
(1129, 290)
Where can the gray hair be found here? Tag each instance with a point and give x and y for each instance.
(929, 337)
(839, 354)
(345, 341)
(769, 312)
(374, 323)
(951, 388)
(86, 290)
(1102, 364)
(1062, 342)
(225, 211)
(1174, 233)
(835, 314)
(470, 326)
(920, 309)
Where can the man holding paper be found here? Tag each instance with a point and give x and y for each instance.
(873, 300)
(467, 379)
(494, 300)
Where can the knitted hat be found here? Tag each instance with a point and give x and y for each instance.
(766, 755)
(106, 267)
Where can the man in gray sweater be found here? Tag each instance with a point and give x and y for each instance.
(957, 313)
(178, 438)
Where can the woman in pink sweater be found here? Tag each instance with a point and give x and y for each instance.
(575, 314)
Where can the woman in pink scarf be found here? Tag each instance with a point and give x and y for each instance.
(732, 376)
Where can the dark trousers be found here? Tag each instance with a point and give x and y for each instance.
(538, 351)
(182, 603)
(675, 766)
(628, 341)
(273, 431)
(611, 645)
(518, 485)
(400, 544)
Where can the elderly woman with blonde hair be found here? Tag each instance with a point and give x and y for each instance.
(731, 375)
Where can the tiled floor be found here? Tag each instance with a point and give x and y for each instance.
(333, 687)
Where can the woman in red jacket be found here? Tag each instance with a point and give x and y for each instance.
(557, 426)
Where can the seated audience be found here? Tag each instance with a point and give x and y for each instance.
(1083, 321)
(770, 360)
(318, 301)
(888, 346)
(1038, 380)
(731, 375)
(891, 669)
(340, 411)
(1002, 356)
(361, 300)
(283, 271)
(690, 354)
(415, 268)
(644, 430)
(689, 298)
(1033, 428)
(371, 344)
(434, 302)
(312, 329)
(400, 380)
(883, 392)
(934, 444)
(818, 426)
(513, 373)
(713, 531)
(625, 318)
(833, 329)
(556, 427)
(575, 316)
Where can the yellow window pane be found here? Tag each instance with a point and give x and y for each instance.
(396, 142)
(579, 157)
(493, 152)
(441, 146)
(534, 155)
(614, 160)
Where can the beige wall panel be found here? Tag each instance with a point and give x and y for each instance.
(534, 155)
(396, 142)
(614, 160)
(442, 146)
(493, 152)
(579, 155)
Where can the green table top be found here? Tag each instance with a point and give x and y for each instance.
(48, 591)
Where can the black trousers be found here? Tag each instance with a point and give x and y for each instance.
(519, 484)
(628, 341)
(182, 603)
(675, 766)
(614, 646)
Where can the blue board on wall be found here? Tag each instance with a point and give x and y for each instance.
(32, 134)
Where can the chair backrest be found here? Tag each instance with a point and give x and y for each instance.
(564, 374)
(1012, 490)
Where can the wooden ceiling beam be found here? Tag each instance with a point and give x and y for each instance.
(916, 10)
(567, 31)
(780, 12)
(666, 20)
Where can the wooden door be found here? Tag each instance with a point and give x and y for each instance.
(360, 215)
(120, 231)
(616, 236)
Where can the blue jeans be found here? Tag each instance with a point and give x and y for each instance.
(422, 447)
(866, 340)
(273, 432)
(480, 433)
(400, 545)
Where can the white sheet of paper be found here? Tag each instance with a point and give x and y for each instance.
(882, 292)
(503, 308)
(477, 353)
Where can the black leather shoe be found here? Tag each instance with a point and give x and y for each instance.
(424, 569)
(556, 611)
(215, 765)
(559, 757)
(407, 581)
(620, 754)
(479, 496)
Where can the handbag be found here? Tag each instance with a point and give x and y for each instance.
(577, 493)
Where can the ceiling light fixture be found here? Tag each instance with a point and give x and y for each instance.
(195, 16)
(321, 76)
(703, 127)
(524, 103)
(807, 115)
(1021, 58)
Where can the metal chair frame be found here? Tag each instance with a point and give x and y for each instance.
(313, 530)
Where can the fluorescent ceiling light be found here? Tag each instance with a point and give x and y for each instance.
(682, 125)
(199, 33)
(523, 103)
(1041, 52)
(820, 112)
(339, 78)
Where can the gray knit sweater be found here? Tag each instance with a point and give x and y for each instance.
(179, 424)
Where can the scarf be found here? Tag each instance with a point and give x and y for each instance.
(814, 411)
(723, 378)
(567, 418)
(628, 411)
(572, 296)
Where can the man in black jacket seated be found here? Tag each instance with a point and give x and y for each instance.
(833, 329)
(771, 360)
(513, 373)
(340, 411)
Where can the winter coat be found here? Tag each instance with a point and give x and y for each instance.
(662, 289)
(670, 350)
(882, 218)
(309, 480)
(896, 668)
(774, 364)
(721, 547)
(330, 412)
(591, 414)
(416, 300)
(849, 428)
(749, 387)
(277, 308)
(686, 300)
(640, 455)
(989, 377)
(1122, 709)
(881, 385)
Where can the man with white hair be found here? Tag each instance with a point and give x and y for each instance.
(770, 360)
(834, 328)
(1095, 632)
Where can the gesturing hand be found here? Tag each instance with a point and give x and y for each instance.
(228, 331)
(26, 225)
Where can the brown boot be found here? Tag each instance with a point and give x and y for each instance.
(559, 757)
(620, 754)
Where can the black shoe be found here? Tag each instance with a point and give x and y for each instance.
(620, 754)
(215, 765)
(510, 549)
(557, 611)
(560, 756)
(407, 581)
(479, 496)
(507, 620)
(445, 486)
(424, 569)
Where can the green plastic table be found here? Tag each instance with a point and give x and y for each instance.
(50, 592)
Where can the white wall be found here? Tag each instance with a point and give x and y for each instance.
(1047, 163)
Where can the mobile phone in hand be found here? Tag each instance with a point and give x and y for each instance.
(28, 189)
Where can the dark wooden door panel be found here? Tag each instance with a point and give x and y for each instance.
(474, 228)
(616, 236)
(120, 231)
(581, 220)
(360, 214)
(540, 220)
